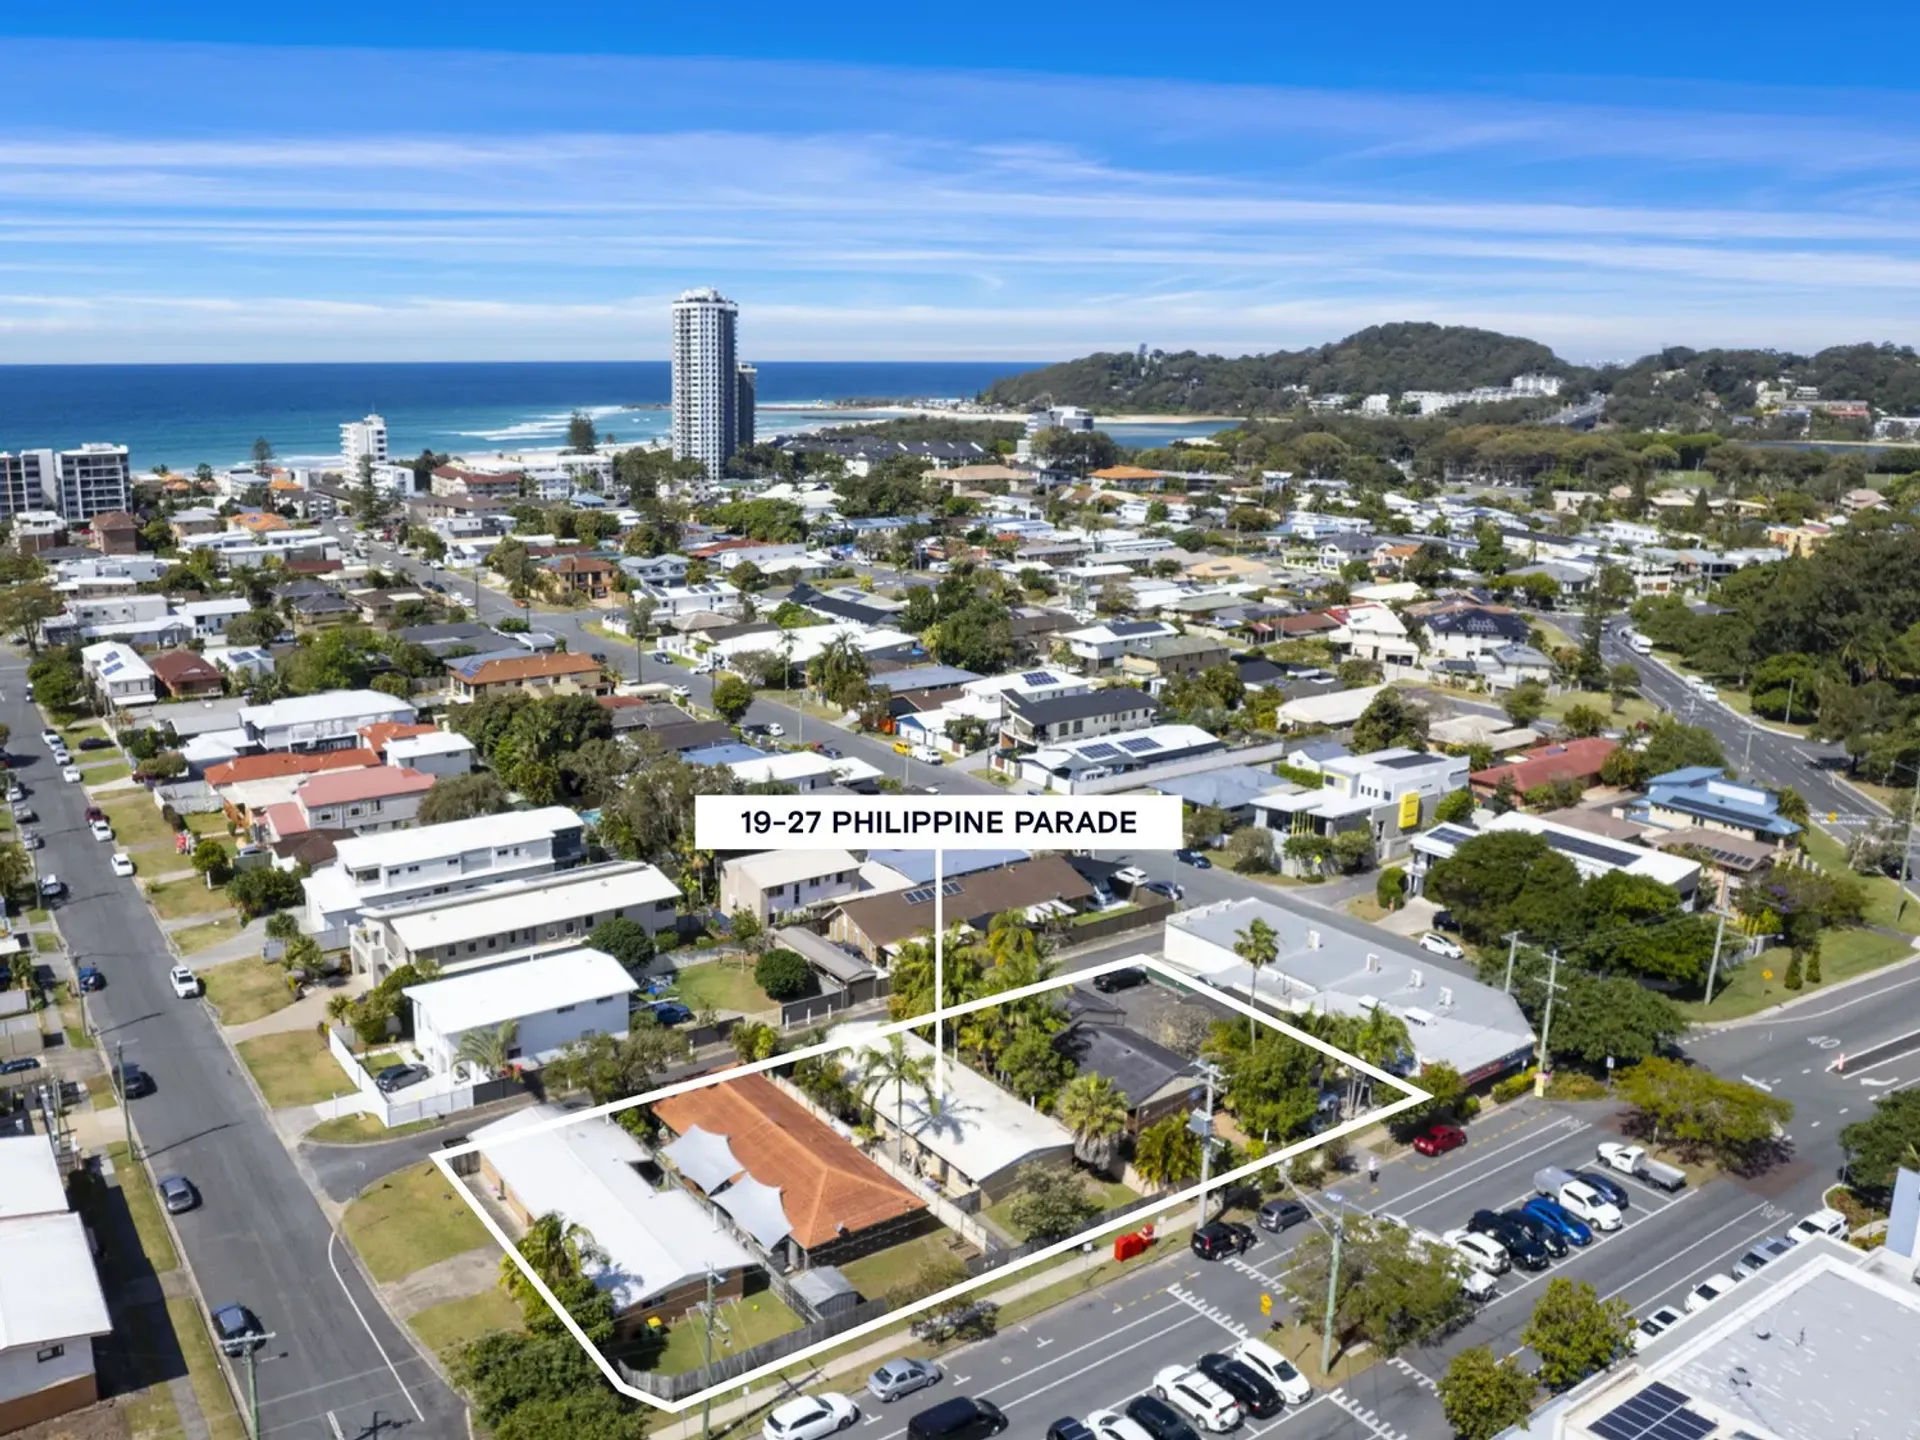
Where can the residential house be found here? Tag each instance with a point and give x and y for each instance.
(1044, 888)
(35, 531)
(552, 1001)
(1172, 657)
(452, 639)
(657, 1253)
(1703, 798)
(513, 919)
(673, 602)
(1231, 790)
(362, 801)
(459, 482)
(1099, 647)
(1388, 793)
(656, 569)
(1030, 723)
(1334, 709)
(1325, 968)
(1156, 1082)
(200, 520)
(777, 883)
(1093, 765)
(245, 663)
(210, 618)
(1373, 632)
(974, 1136)
(1456, 631)
(186, 675)
(801, 1189)
(118, 676)
(115, 532)
(436, 752)
(328, 721)
(557, 673)
(587, 576)
(1592, 855)
(52, 1306)
(1578, 760)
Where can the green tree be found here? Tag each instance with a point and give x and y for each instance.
(625, 940)
(1482, 1397)
(1881, 1144)
(613, 1067)
(263, 890)
(209, 858)
(559, 1252)
(23, 609)
(1051, 1203)
(1250, 850)
(582, 438)
(1453, 807)
(1390, 1292)
(1508, 880)
(490, 1048)
(783, 974)
(732, 698)
(1575, 1332)
(1525, 703)
(262, 454)
(1623, 683)
(1446, 1093)
(463, 797)
(544, 1387)
(1582, 720)
(1167, 1152)
(1259, 945)
(1390, 888)
(894, 1065)
(1031, 1065)
(1702, 1113)
(1671, 745)
(1390, 719)
(1096, 1111)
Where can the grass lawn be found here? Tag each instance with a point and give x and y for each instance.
(137, 823)
(37, 916)
(43, 943)
(1845, 954)
(195, 938)
(68, 1010)
(873, 1275)
(203, 1368)
(1109, 1194)
(361, 1129)
(1301, 1344)
(177, 899)
(720, 985)
(213, 822)
(104, 774)
(443, 1329)
(1365, 907)
(294, 1068)
(245, 989)
(749, 1322)
(411, 1220)
(1883, 893)
(144, 1206)
(1631, 711)
(100, 1087)
(1087, 917)
(80, 730)
(1741, 703)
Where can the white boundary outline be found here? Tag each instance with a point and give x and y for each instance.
(1410, 1096)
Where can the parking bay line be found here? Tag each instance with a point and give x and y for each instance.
(1653, 1269)
(1393, 1205)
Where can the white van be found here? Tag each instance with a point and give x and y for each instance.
(1638, 643)
(927, 755)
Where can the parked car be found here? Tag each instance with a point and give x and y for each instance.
(1111, 1425)
(1277, 1369)
(1163, 887)
(133, 1082)
(23, 811)
(1193, 858)
(1758, 1257)
(1278, 1215)
(1527, 1252)
(399, 1077)
(30, 839)
(901, 1377)
(1614, 1193)
(670, 1012)
(185, 983)
(15, 792)
(19, 1065)
(961, 1418)
(810, 1416)
(1247, 1386)
(1068, 1428)
(775, 729)
(177, 1194)
(832, 752)
(1655, 1325)
(1221, 1237)
(1438, 1139)
(1585, 1202)
(237, 1329)
(1198, 1398)
(50, 738)
(1480, 1251)
(659, 657)
(1159, 1419)
(1708, 1291)
(96, 742)
(94, 812)
(1439, 944)
(1820, 1222)
(102, 831)
(1115, 980)
(1543, 1235)
(1634, 1160)
(1556, 1217)
(122, 864)
(71, 775)
(90, 978)
(52, 887)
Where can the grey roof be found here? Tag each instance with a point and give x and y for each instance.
(1229, 788)
(1476, 622)
(1135, 1064)
(823, 1283)
(1116, 700)
(1120, 629)
(922, 677)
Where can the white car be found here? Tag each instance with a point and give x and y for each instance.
(1706, 691)
(1275, 1369)
(1656, 1324)
(51, 738)
(70, 775)
(1439, 944)
(122, 864)
(775, 729)
(810, 1417)
(185, 983)
(1481, 1251)
(1198, 1398)
(1708, 1291)
(1112, 1425)
(682, 694)
(52, 885)
(1583, 1202)
(101, 830)
(1820, 1222)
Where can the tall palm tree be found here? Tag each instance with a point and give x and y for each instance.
(1167, 1153)
(899, 1067)
(1095, 1109)
(556, 1248)
(488, 1050)
(1259, 946)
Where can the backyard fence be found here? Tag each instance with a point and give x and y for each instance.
(692, 1382)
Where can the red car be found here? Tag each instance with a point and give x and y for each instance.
(1438, 1139)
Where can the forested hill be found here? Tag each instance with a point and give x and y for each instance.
(1681, 385)
(1383, 358)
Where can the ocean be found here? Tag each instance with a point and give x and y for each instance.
(182, 415)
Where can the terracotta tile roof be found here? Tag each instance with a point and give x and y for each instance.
(378, 736)
(1127, 472)
(1542, 765)
(584, 565)
(259, 522)
(113, 520)
(373, 782)
(181, 667)
(283, 763)
(480, 670)
(827, 1187)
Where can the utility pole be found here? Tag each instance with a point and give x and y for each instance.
(1906, 851)
(706, 1371)
(1719, 934)
(1333, 1290)
(1513, 946)
(1791, 682)
(1202, 1125)
(254, 1342)
(120, 1084)
(1545, 1070)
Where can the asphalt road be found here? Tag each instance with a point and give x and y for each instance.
(260, 1238)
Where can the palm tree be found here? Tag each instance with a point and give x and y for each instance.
(1381, 1039)
(1259, 946)
(1095, 1109)
(556, 1249)
(489, 1050)
(900, 1068)
(1167, 1153)
(16, 870)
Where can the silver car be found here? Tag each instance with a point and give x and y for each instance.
(901, 1377)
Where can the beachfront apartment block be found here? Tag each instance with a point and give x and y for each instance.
(365, 438)
(711, 389)
(513, 919)
(91, 480)
(400, 865)
(23, 481)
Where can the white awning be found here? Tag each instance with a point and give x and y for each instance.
(704, 1158)
(756, 1208)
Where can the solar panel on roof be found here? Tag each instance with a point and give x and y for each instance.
(1656, 1413)
(924, 893)
(1037, 677)
(1101, 751)
(1139, 744)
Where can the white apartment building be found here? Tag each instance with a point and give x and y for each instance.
(363, 439)
(708, 381)
(670, 602)
(91, 480)
(209, 617)
(399, 865)
(329, 721)
(238, 547)
(513, 920)
(777, 883)
(24, 481)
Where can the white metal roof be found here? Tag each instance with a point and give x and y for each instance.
(773, 868)
(48, 1287)
(330, 705)
(653, 1239)
(528, 905)
(482, 998)
(440, 742)
(429, 842)
(29, 1178)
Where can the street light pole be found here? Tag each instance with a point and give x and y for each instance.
(1545, 1070)
(1719, 934)
(120, 1084)
(1204, 1124)
(1513, 946)
(1333, 1290)
(253, 1382)
(706, 1372)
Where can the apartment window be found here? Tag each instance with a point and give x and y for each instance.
(565, 1009)
(492, 940)
(472, 948)
(49, 1352)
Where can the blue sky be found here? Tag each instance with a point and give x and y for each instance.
(486, 181)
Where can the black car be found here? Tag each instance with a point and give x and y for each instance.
(1240, 1380)
(1545, 1235)
(1278, 1215)
(1610, 1191)
(135, 1082)
(238, 1329)
(670, 1012)
(1527, 1252)
(1158, 1419)
(399, 1077)
(1221, 1237)
(1114, 980)
(96, 742)
(1193, 858)
(1068, 1428)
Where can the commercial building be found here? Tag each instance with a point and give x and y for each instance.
(52, 1308)
(366, 439)
(713, 394)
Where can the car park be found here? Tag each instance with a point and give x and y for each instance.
(901, 1377)
(1480, 1251)
(1193, 858)
(1558, 1219)
(1758, 1257)
(1820, 1222)
(1635, 1161)
(177, 1194)
(1249, 1388)
(1278, 1215)
(1123, 979)
(1221, 1237)
(186, 984)
(1655, 1325)
(399, 1077)
(1436, 943)
(122, 864)
(1542, 1234)
(1276, 1368)
(1708, 1291)
(237, 1329)
(1111, 1425)
(1438, 1139)
(102, 831)
(809, 1417)
(961, 1418)
(1159, 1419)
(1198, 1398)
(1527, 1252)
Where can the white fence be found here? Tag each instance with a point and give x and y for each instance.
(421, 1103)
